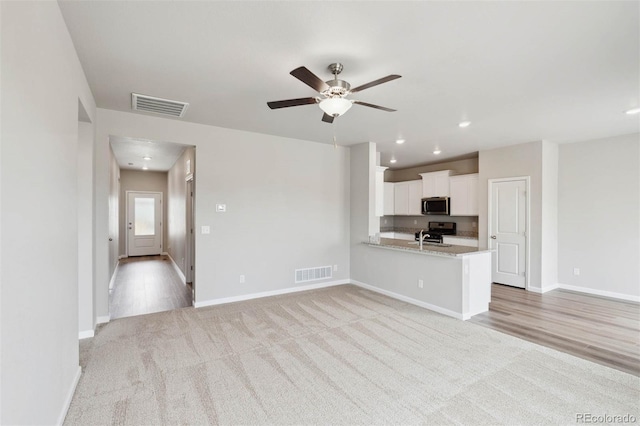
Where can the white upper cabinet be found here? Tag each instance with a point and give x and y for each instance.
(435, 184)
(380, 190)
(401, 198)
(407, 197)
(389, 198)
(415, 198)
(464, 195)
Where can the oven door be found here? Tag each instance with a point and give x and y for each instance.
(435, 205)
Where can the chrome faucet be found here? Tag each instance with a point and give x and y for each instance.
(420, 238)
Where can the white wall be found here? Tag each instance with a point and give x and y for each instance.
(512, 161)
(599, 216)
(42, 81)
(549, 217)
(86, 300)
(287, 203)
(138, 180)
(457, 167)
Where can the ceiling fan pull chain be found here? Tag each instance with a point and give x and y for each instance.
(335, 143)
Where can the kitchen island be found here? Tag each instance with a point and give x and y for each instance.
(449, 279)
(433, 249)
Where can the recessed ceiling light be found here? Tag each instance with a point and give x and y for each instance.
(393, 160)
(400, 141)
(146, 157)
(633, 111)
(436, 151)
(145, 168)
(463, 124)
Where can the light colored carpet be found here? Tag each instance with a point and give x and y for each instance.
(341, 355)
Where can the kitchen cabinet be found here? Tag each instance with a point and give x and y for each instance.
(401, 198)
(379, 201)
(398, 236)
(389, 198)
(457, 241)
(464, 195)
(435, 184)
(415, 198)
(407, 197)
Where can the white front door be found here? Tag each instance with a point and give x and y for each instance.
(144, 223)
(507, 232)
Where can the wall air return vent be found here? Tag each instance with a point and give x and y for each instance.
(158, 105)
(313, 274)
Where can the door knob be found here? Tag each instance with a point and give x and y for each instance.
(493, 237)
(110, 239)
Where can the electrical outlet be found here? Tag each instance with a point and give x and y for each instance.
(335, 268)
(415, 222)
(385, 221)
(241, 279)
(474, 224)
(205, 229)
(420, 284)
(576, 271)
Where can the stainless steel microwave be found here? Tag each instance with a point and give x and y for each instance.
(435, 205)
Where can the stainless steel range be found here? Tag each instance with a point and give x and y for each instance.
(435, 232)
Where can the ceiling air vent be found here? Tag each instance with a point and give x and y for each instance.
(158, 105)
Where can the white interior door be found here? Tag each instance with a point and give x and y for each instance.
(508, 233)
(144, 223)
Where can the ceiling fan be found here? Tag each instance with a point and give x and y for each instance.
(333, 93)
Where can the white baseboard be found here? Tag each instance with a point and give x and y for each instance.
(164, 253)
(177, 268)
(604, 293)
(269, 293)
(103, 319)
(86, 334)
(413, 301)
(122, 256)
(541, 290)
(69, 398)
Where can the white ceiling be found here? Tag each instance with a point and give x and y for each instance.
(519, 71)
(130, 153)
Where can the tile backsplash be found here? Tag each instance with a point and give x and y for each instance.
(464, 224)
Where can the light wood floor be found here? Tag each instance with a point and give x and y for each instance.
(145, 285)
(603, 330)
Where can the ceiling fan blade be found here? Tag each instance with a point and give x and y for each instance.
(310, 79)
(375, 82)
(327, 118)
(291, 102)
(374, 106)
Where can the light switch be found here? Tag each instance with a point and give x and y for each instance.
(221, 208)
(205, 229)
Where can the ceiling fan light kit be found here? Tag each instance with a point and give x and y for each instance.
(333, 93)
(335, 106)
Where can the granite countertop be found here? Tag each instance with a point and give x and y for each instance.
(446, 250)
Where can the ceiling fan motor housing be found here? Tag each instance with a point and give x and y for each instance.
(337, 88)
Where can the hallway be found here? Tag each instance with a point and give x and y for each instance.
(145, 285)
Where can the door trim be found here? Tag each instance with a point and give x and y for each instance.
(126, 218)
(527, 242)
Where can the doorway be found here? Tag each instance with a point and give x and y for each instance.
(508, 230)
(190, 243)
(144, 223)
